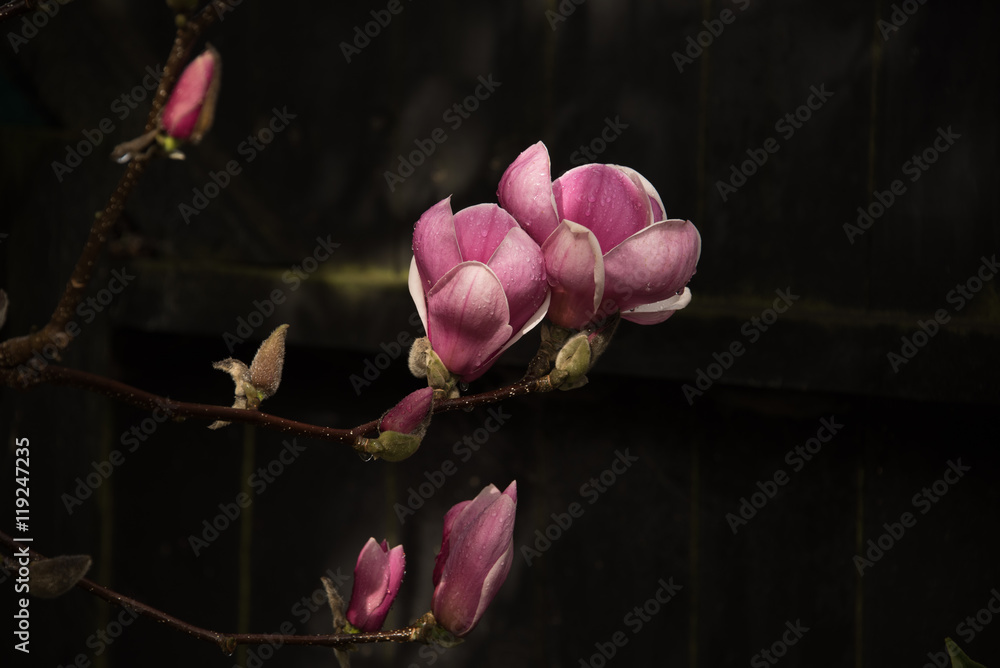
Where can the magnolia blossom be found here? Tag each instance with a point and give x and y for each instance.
(607, 242)
(190, 109)
(478, 282)
(477, 549)
(377, 577)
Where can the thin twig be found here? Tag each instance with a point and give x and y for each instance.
(16, 8)
(228, 642)
(60, 375)
(356, 437)
(17, 350)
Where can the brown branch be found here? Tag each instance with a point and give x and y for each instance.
(16, 350)
(356, 437)
(228, 642)
(60, 375)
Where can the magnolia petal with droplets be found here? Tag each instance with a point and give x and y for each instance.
(467, 318)
(605, 201)
(576, 273)
(652, 314)
(435, 245)
(526, 192)
(653, 264)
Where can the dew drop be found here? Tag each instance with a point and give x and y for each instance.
(366, 456)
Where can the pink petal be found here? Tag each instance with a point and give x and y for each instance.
(449, 521)
(519, 264)
(184, 106)
(652, 314)
(604, 200)
(467, 319)
(526, 192)
(652, 265)
(480, 229)
(435, 245)
(659, 211)
(576, 273)
(417, 290)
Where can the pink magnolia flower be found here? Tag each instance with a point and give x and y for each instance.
(477, 549)
(190, 109)
(478, 282)
(607, 242)
(377, 577)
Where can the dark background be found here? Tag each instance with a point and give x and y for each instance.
(826, 358)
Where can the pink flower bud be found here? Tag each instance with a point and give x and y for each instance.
(478, 282)
(607, 242)
(190, 109)
(377, 577)
(410, 414)
(477, 549)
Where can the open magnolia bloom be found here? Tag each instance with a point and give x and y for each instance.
(478, 282)
(607, 242)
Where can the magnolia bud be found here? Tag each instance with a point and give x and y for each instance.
(572, 363)
(265, 370)
(393, 446)
(411, 415)
(189, 111)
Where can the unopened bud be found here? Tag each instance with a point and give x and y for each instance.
(572, 363)
(411, 415)
(393, 446)
(189, 111)
(265, 370)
